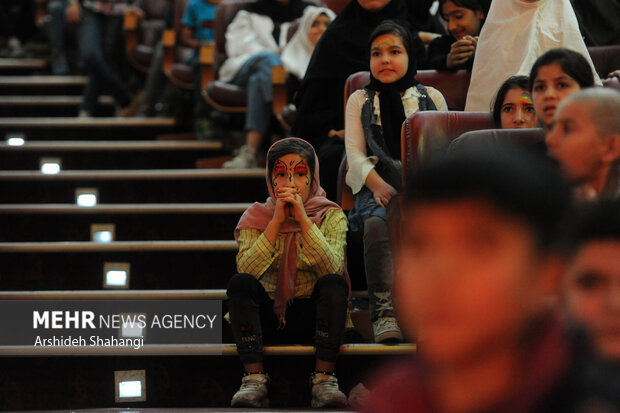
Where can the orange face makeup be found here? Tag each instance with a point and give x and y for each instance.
(526, 99)
(386, 39)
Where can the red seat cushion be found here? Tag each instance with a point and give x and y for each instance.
(226, 94)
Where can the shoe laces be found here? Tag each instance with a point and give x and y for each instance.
(384, 302)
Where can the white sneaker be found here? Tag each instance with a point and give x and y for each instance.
(386, 330)
(326, 393)
(253, 391)
(244, 160)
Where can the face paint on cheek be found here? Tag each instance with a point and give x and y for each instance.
(526, 99)
(302, 169)
(278, 168)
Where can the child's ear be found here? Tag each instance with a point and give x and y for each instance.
(612, 148)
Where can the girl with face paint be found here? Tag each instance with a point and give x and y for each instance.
(374, 116)
(292, 285)
(513, 107)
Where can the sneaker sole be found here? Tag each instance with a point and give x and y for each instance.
(332, 403)
(262, 403)
(389, 337)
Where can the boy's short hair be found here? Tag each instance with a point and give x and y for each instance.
(515, 180)
(604, 107)
(586, 223)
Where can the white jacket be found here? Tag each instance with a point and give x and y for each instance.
(247, 35)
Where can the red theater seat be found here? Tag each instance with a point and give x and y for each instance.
(606, 59)
(430, 131)
(176, 53)
(526, 137)
(141, 35)
(453, 85)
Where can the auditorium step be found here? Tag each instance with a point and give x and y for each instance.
(153, 264)
(153, 222)
(78, 381)
(107, 155)
(135, 186)
(92, 128)
(41, 85)
(51, 106)
(21, 66)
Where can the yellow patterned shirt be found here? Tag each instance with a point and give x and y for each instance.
(320, 252)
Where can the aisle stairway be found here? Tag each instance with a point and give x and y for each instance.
(173, 228)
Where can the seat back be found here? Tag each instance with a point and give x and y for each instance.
(525, 137)
(430, 131)
(453, 85)
(606, 59)
(335, 5)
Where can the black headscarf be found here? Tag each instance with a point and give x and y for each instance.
(420, 17)
(341, 51)
(342, 48)
(278, 12)
(390, 102)
(599, 21)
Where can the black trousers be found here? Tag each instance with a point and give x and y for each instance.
(320, 318)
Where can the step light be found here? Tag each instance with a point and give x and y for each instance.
(15, 139)
(50, 166)
(86, 197)
(133, 326)
(102, 232)
(116, 275)
(130, 386)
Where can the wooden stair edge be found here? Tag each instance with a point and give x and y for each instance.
(115, 246)
(201, 350)
(132, 209)
(208, 294)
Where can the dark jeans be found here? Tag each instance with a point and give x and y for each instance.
(321, 317)
(102, 48)
(57, 9)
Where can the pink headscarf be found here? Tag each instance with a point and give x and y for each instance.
(258, 215)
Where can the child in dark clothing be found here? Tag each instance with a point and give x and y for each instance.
(456, 49)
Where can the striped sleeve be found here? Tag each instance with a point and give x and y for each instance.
(323, 249)
(256, 253)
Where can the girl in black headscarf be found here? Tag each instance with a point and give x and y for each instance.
(341, 51)
(373, 122)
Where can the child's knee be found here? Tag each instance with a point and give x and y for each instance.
(242, 284)
(333, 285)
(375, 229)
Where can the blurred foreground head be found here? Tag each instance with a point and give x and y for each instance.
(476, 259)
(591, 286)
